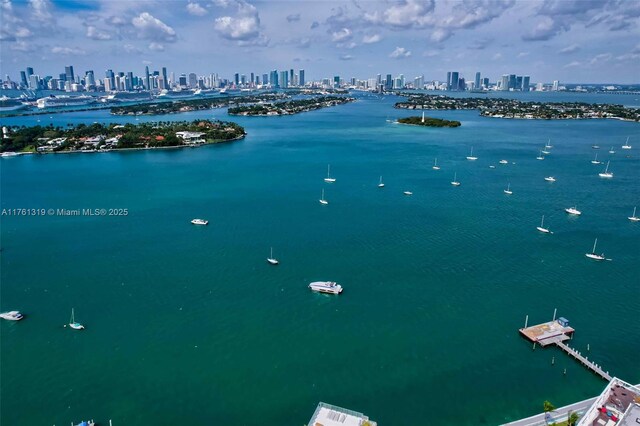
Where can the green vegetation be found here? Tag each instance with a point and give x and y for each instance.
(290, 107)
(429, 122)
(114, 136)
(184, 105)
(511, 108)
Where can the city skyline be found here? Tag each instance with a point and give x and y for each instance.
(571, 41)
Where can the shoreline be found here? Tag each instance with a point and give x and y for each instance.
(98, 151)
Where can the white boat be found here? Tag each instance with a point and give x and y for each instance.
(508, 191)
(633, 217)
(408, 193)
(271, 259)
(593, 254)
(435, 165)
(492, 166)
(73, 324)
(455, 180)
(329, 179)
(9, 154)
(573, 210)
(626, 145)
(503, 162)
(548, 145)
(595, 146)
(595, 160)
(381, 185)
(63, 100)
(12, 316)
(550, 179)
(611, 151)
(470, 157)
(542, 229)
(540, 157)
(545, 152)
(329, 287)
(606, 173)
(199, 222)
(322, 200)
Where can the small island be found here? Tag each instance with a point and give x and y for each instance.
(429, 122)
(289, 107)
(512, 108)
(102, 138)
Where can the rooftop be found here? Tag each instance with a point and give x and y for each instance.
(618, 404)
(330, 415)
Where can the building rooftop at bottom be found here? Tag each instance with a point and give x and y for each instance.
(330, 415)
(618, 404)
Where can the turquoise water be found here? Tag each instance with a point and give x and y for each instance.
(190, 325)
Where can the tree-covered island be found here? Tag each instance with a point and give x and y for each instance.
(512, 108)
(101, 137)
(289, 107)
(429, 122)
(186, 105)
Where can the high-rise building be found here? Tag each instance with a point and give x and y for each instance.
(284, 79)
(556, 85)
(243, 80)
(29, 72)
(291, 75)
(236, 79)
(69, 73)
(336, 81)
(388, 84)
(301, 80)
(182, 81)
(90, 80)
(455, 80)
(462, 84)
(147, 82)
(449, 80)
(518, 85)
(485, 82)
(504, 83)
(378, 80)
(165, 82)
(112, 81)
(23, 79)
(265, 79)
(193, 80)
(418, 82)
(253, 79)
(512, 81)
(34, 82)
(476, 84)
(273, 79)
(525, 83)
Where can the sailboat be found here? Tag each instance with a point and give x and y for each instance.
(540, 157)
(470, 157)
(73, 324)
(381, 185)
(633, 217)
(435, 165)
(541, 228)
(271, 259)
(508, 191)
(455, 180)
(322, 200)
(611, 151)
(544, 151)
(593, 254)
(606, 173)
(548, 145)
(626, 145)
(595, 160)
(329, 178)
(422, 121)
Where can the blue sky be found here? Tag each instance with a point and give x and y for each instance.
(566, 40)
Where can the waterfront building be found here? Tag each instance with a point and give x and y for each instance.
(111, 77)
(462, 85)
(485, 82)
(388, 85)
(68, 71)
(165, 82)
(619, 404)
(23, 79)
(418, 82)
(236, 79)
(284, 79)
(182, 81)
(512, 81)
(90, 80)
(273, 80)
(518, 85)
(34, 82)
(539, 87)
(476, 84)
(331, 415)
(504, 82)
(449, 80)
(556, 84)
(455, 77)
(301, 80)
(525, 83)
(29, 72)
(336, 81)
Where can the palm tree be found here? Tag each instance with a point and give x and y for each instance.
(572, 418)
(547, 407)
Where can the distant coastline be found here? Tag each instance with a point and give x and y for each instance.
(428, 122)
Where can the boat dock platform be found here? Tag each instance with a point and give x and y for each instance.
(555, 332)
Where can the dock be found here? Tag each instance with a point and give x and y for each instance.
(556, 332)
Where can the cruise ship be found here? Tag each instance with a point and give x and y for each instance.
(128, 97)
(326, 287)
(8, 104)
(64, 101)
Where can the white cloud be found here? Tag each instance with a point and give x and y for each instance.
(406, 14)
(158, 47)
(151, 28)
(497, 56)
(63, 50)
(570, 49)
(95, 34)
(342, 35)
(573, 64)
(603, 57)
(244, 27)
(440, 34)
(130, 48)
(374, 38)
(400, 53)
(522, 54)
(196, 10)
(346, 57)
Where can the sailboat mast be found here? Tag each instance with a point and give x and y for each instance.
(542, 223)
(594, 245)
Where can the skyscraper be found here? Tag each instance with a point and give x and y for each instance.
(504, 82)
(165, 82)
(525, 83)
(477, 82)
(253, 79)
(301, 80)
(112, 80)
(273, 79)
(69, 73)
(512, 81)
(388, 84)
(29, 72)
(291, 75)
(147, 83)
(556, 85)
(23, 79)
(449, 80)
(284, 79)
(454, 80)
(485, 82)
(236, 79)
(265, 79)
(336, 81)
(90, 80)
(193, 80)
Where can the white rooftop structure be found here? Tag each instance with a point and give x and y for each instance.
(618, 404)
(330, 415)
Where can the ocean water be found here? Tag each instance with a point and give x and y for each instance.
(190, 325)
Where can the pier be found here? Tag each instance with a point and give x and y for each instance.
(555, 332)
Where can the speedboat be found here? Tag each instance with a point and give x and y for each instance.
(9, 154)
(503, 162)
(329, 287)
(573, 211)
(595, 146)
(408, 193)
(200, 222)
(550, 179)
(12, 316)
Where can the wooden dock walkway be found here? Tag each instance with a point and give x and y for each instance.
(589, 364)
